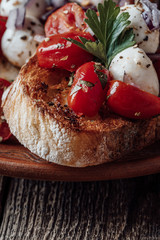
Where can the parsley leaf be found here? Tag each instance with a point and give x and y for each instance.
(101, 75)
(97, 48)
(123, 42)
(111, 31)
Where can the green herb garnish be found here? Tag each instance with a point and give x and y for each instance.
(71, 79)
(101, 75)
(111, 31)
(87, 83)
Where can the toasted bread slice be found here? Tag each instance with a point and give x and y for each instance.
(36, 110)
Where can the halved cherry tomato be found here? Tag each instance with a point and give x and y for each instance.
(131, 102)
(89, 89)
(58, 52)
(68, 18)
(2, 29)
(4, 129)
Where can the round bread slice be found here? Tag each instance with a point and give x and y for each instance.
(35, 107)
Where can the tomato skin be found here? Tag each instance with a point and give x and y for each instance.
(3, 21)
(68, 18)
(58, 52)
(88, 99)
(4, 129)
(131, 102)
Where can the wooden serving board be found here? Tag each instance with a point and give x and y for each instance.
(17, 161)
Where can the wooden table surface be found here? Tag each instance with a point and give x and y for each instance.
(113, 210)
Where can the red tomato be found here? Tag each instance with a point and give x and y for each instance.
(4, 129)
(89, 89)
(58, 52)
(131, 102)
(68, 18)
(2, 29)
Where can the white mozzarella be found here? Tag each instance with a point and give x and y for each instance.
(7, 6)
(19, 45)
(146, 39)
(138, 67)
(36, 9)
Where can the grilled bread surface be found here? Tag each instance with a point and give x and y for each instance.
(35, 107)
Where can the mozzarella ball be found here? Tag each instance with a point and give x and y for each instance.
(19, 45)
(146, 39)
(35, 8)
(7, 6)
(134, 63)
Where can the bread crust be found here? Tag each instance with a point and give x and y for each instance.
(36, 110)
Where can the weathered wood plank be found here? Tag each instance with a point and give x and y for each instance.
(114, 210)
(4, 184)
(1, 193)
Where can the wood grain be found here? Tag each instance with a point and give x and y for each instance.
(3, 194)
(17, 161)
(110, 210)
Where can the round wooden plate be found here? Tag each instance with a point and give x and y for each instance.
(17, 161)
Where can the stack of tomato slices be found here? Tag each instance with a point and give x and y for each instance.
(89, 90)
